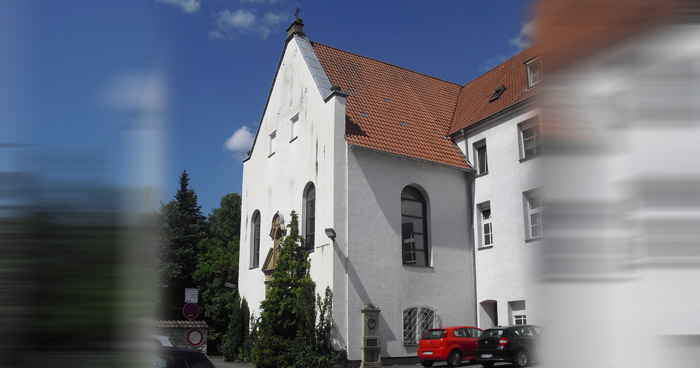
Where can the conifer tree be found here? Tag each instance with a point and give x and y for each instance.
(182, 227)
(288, 312)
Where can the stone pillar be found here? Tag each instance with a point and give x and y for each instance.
(371, 342)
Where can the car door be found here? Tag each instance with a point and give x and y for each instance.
(460, 338)
(470, 342)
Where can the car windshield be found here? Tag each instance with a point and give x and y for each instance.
(432, 334)
(496, 332)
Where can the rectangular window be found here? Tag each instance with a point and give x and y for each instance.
(530, 144)
(294, 124)
(486, 225)
(480, 158)
(520, 320)
(534, 72)
(273, 135)
(517, 313)
(533, 214)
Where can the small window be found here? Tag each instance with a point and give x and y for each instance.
(533, 214)
(416, 321)
(310, 217)
(414, 232)
(486, 224)
(530, 145)
(497, 93)
(273, 136)
(255, 241)
(534, 72)
(294, 124)
(520, 320)
(480, 158)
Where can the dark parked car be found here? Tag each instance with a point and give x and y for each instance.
(451, 344)
(180, 358)
(514, 344)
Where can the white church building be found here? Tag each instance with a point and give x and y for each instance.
(415, 195)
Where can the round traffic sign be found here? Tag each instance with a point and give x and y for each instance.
(195, 337)
(190, 310)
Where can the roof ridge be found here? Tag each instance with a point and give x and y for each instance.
(384, 62)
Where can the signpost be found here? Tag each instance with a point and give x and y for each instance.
(191, 311)
(195, 337)
(191, 295)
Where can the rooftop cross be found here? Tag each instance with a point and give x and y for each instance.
(296, 13)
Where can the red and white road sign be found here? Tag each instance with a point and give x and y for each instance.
(195, 337)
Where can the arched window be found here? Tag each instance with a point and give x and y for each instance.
(417, 320)
(414, 228)
(255, 241)
(309, 217)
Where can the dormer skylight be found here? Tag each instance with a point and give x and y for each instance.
(497, 93)
(534, 72)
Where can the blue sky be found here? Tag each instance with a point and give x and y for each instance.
(148, 88)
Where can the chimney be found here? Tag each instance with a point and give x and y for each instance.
(297, 27)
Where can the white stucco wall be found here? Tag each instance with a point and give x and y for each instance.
(376, 273)
(504, 270)
(276, 182)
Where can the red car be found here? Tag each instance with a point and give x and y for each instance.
(451, 344)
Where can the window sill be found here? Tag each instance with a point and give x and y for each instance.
(482, 174)
(485, 247)
(270, 155)
(415, 266)
(252, 268)
(524, 159)
(531, 240)
(293, 139)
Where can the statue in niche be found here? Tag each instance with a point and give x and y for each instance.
(277, 232)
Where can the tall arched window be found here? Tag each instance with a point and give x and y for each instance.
(414, 228)
(309, 217)
(255, 241)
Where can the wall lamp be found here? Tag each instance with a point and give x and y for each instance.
(330, 233)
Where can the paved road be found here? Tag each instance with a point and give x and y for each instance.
(220, 363)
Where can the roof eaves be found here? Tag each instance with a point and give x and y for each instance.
(467, 167)
(503, 112)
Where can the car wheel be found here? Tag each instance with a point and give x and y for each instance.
(520, 359)
(487, 365)
(455, 359)
(427, 363)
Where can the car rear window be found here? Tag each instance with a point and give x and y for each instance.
(496, 332)
(432, 334)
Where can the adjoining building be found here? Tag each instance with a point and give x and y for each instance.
(414, 194)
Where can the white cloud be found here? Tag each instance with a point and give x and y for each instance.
(240, 141)
(492, 62)
(523, 39)
(188, 6)
(230, 24)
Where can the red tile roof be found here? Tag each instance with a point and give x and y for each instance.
(393, 109)
(474, 104)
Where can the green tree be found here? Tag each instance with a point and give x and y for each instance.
(235, 342)
(225, 222)
(287, 323)
(218, 265)
(182, 226)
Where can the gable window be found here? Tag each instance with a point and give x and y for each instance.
(530, 144)
(534, 72)
(255, 241)
(533, 214)
(417, 320)
(480, 158)
(273, 136)
(309, 217)
(294, 125)
(486, 225)
(414, 224)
